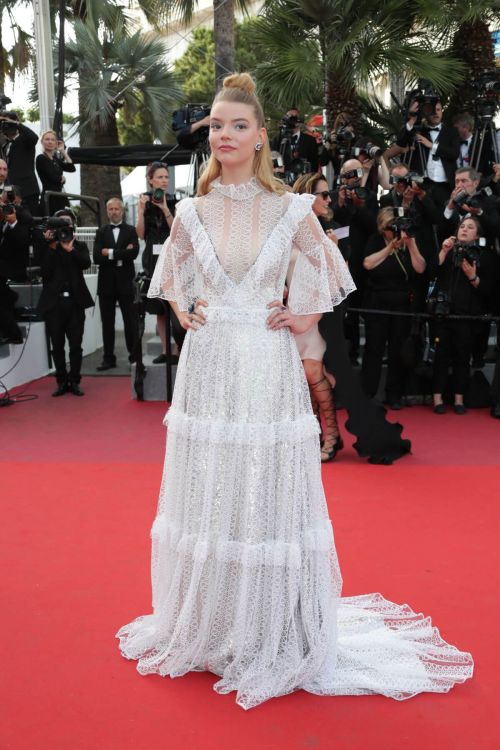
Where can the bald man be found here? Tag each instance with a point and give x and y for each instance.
(116, 247)
(355, 207)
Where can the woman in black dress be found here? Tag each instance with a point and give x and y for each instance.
(50, 165)
(156, 211)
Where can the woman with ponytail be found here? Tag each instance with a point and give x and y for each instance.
(246, 582)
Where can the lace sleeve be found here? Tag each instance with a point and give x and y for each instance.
(321, 278)
(174, 274)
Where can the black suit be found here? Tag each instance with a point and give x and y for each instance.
(115, 283)
(13, 262)
(63, 301)
(448, 151)
(305, 148)
(20, 157)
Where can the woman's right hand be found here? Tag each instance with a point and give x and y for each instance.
(448, 244)
(143, 200)
(196, 319)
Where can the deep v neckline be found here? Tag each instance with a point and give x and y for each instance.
(215, 257)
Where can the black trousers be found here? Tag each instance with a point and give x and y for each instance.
(381, 330)
(453, 349)
(495, 385)
(8, 322)
(107, 304)
(66, 320)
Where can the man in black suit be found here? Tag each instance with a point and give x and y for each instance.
(18, 151)
(14, 239)
(301, 146)
(63, 301)
(116, 246)
(434, 149)
(3, 173)
(476, 148)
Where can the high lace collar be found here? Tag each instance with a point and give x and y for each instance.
(242, 192)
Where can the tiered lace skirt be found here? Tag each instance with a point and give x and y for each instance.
(246, 582)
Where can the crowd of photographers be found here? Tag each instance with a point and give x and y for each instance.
(419, 226)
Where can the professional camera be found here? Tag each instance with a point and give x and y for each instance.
(426, 96)
(185, 116)
(406, 179)
(440, 305)
(59, 228)
(352, 174)
(290, 122)
(369, 150)
(464, 198)
(470, 252)
(7, 209)
(156, 195)
(487, 86)
(402, 224)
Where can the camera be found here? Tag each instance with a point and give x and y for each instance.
(182, 118)
(59, 228)
(463, 198)
(352, 174)
(470, 252)
(369, 150)
(156, 195)
(402, 224)
(427, 98)
(440, 305)
(7, 209)
(9, 193)
(487, 86)
(290, 122)
(406, 179)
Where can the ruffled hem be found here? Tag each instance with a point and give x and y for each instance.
(221, 432)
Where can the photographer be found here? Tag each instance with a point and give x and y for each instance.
(18, 150)
(155, 216)
(300, 150)
(408, 194)
(434, 147)
(392, 262)
(64, 298)
(116, 246)
(468, 198)
(50, 166)
(14, 241)
(355, 207)
(375, 169)
(338, 145)
(464, 283)
(195, 134)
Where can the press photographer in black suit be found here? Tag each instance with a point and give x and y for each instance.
(64, 298)
(434, 149)
(468, 198)
(301, 145)
(14, 241)
(18, 150)
(116, 246)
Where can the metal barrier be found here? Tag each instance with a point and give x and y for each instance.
(87, 235)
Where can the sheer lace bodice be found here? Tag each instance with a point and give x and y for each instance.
(233, 246)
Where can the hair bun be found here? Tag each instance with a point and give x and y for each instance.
(240, 81)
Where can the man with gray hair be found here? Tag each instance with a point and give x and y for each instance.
(468, 198)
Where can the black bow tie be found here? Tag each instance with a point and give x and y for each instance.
(464, 143)
(116, 226)
(431, 129)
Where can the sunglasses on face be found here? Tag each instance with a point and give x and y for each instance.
(324, 194)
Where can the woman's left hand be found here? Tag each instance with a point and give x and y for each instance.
(469, 269)
(281, 317)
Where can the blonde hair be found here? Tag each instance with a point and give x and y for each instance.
(384, 217)
(46, 132)
(240, 88)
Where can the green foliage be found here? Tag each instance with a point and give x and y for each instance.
(134, 128)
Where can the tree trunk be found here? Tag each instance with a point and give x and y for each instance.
(2, 56)
(99, 180)
(473, 44)
(224, 40)
(340, 99)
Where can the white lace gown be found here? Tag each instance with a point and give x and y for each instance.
(246, 582)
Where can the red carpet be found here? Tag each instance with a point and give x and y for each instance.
(79, 485)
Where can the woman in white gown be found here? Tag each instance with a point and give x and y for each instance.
(245, 577)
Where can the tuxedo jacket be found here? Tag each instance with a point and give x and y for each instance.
(21, 161)
(14, 251)
(62, 271)
(448, 150)
(116, 276)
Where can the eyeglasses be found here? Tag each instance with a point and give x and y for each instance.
(324, 194)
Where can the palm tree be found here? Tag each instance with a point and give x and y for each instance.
(117, 70)
(16, 59)
(183, 11)
(327, 49)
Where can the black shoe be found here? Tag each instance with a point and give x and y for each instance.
(459, 409)
(495, 410)
(105, 366)
(75, 389)
(439, 409)
(337, 446)
(160, 359)
(61, 389)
